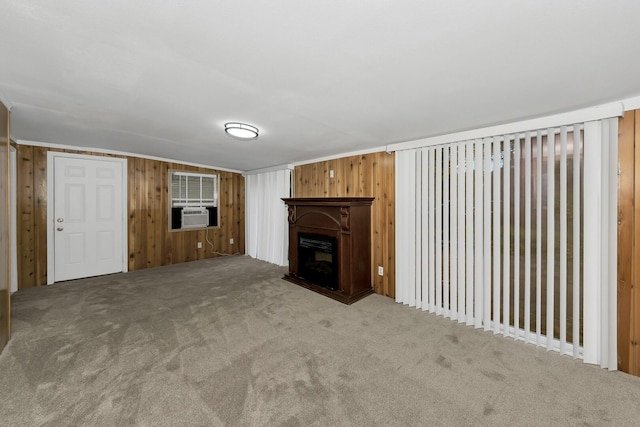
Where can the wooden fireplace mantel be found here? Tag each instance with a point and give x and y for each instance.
(348, 219)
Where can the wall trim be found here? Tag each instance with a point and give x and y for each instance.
(615, 109)
(342, 155)
(631, 104)
(120, 153)
(586, 114)
(288, 166)
(5, 100)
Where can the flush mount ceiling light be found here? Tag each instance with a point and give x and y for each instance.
(241, 130)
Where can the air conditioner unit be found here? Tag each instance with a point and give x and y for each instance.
(195, 217)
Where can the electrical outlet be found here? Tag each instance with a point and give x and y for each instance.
(331, 175)
(199, 245)
(380, 271)
(231, 241)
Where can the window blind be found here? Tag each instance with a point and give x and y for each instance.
(194, 190)
(509, 234)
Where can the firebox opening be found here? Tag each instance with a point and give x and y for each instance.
(318, 258)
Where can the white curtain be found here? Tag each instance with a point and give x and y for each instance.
(489, 234)
(267, 231)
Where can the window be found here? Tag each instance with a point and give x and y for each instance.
(194, 200)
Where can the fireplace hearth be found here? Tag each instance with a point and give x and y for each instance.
(330, 246)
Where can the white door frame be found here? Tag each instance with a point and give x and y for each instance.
(51, 155)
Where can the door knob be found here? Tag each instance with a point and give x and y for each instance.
(59, 229)
(60, 219)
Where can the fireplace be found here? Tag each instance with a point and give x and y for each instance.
(330, 246)
(318, 259)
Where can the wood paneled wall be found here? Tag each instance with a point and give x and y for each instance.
(150, 243)
(629, 243)
(5, 227)
(370, 175)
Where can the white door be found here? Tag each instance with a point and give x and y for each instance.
(88, 217)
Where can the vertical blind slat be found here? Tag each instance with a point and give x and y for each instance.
(400, 232)
(469, 234)
(538, 238)
(461, 238)
(487, 237)
(424, 279)
(506, 233)
(445, 230)
(527, 237)
(415, 296)
(405, 164)
(438, 230)
(453, 246)
(432, 232)
(577, 154)
(479, 236)
(611, 320)
(563, 240)
(592, 240)
(495, 172)
(551, 151)
(603, 260)
(461, 241)
(517, 153)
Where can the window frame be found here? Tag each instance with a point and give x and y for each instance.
(193, 203)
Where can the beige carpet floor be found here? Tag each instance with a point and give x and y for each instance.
(227, 342)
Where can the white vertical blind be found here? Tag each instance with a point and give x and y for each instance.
(431, 195)
(405, 166)
(517, 153)
(469, 232)
(563, 240)
(610, 143)
(551, 256)
(600, 165)
(267, 235)
(423, 207)
(604, 258)
(415, 296)
(495, 173)
(486, 250)
(538, 238)
(592, 255)
(527, 237)
(445, 230)
(453, 243)
(577, 142)
(482, 210)
(461, 169)
(478, 214)
(506, 227)
(438, 230)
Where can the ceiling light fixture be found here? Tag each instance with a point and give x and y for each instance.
(241, 130)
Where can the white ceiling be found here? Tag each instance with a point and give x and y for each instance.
(319, 78)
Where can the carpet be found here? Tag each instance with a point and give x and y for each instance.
(227, 342)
